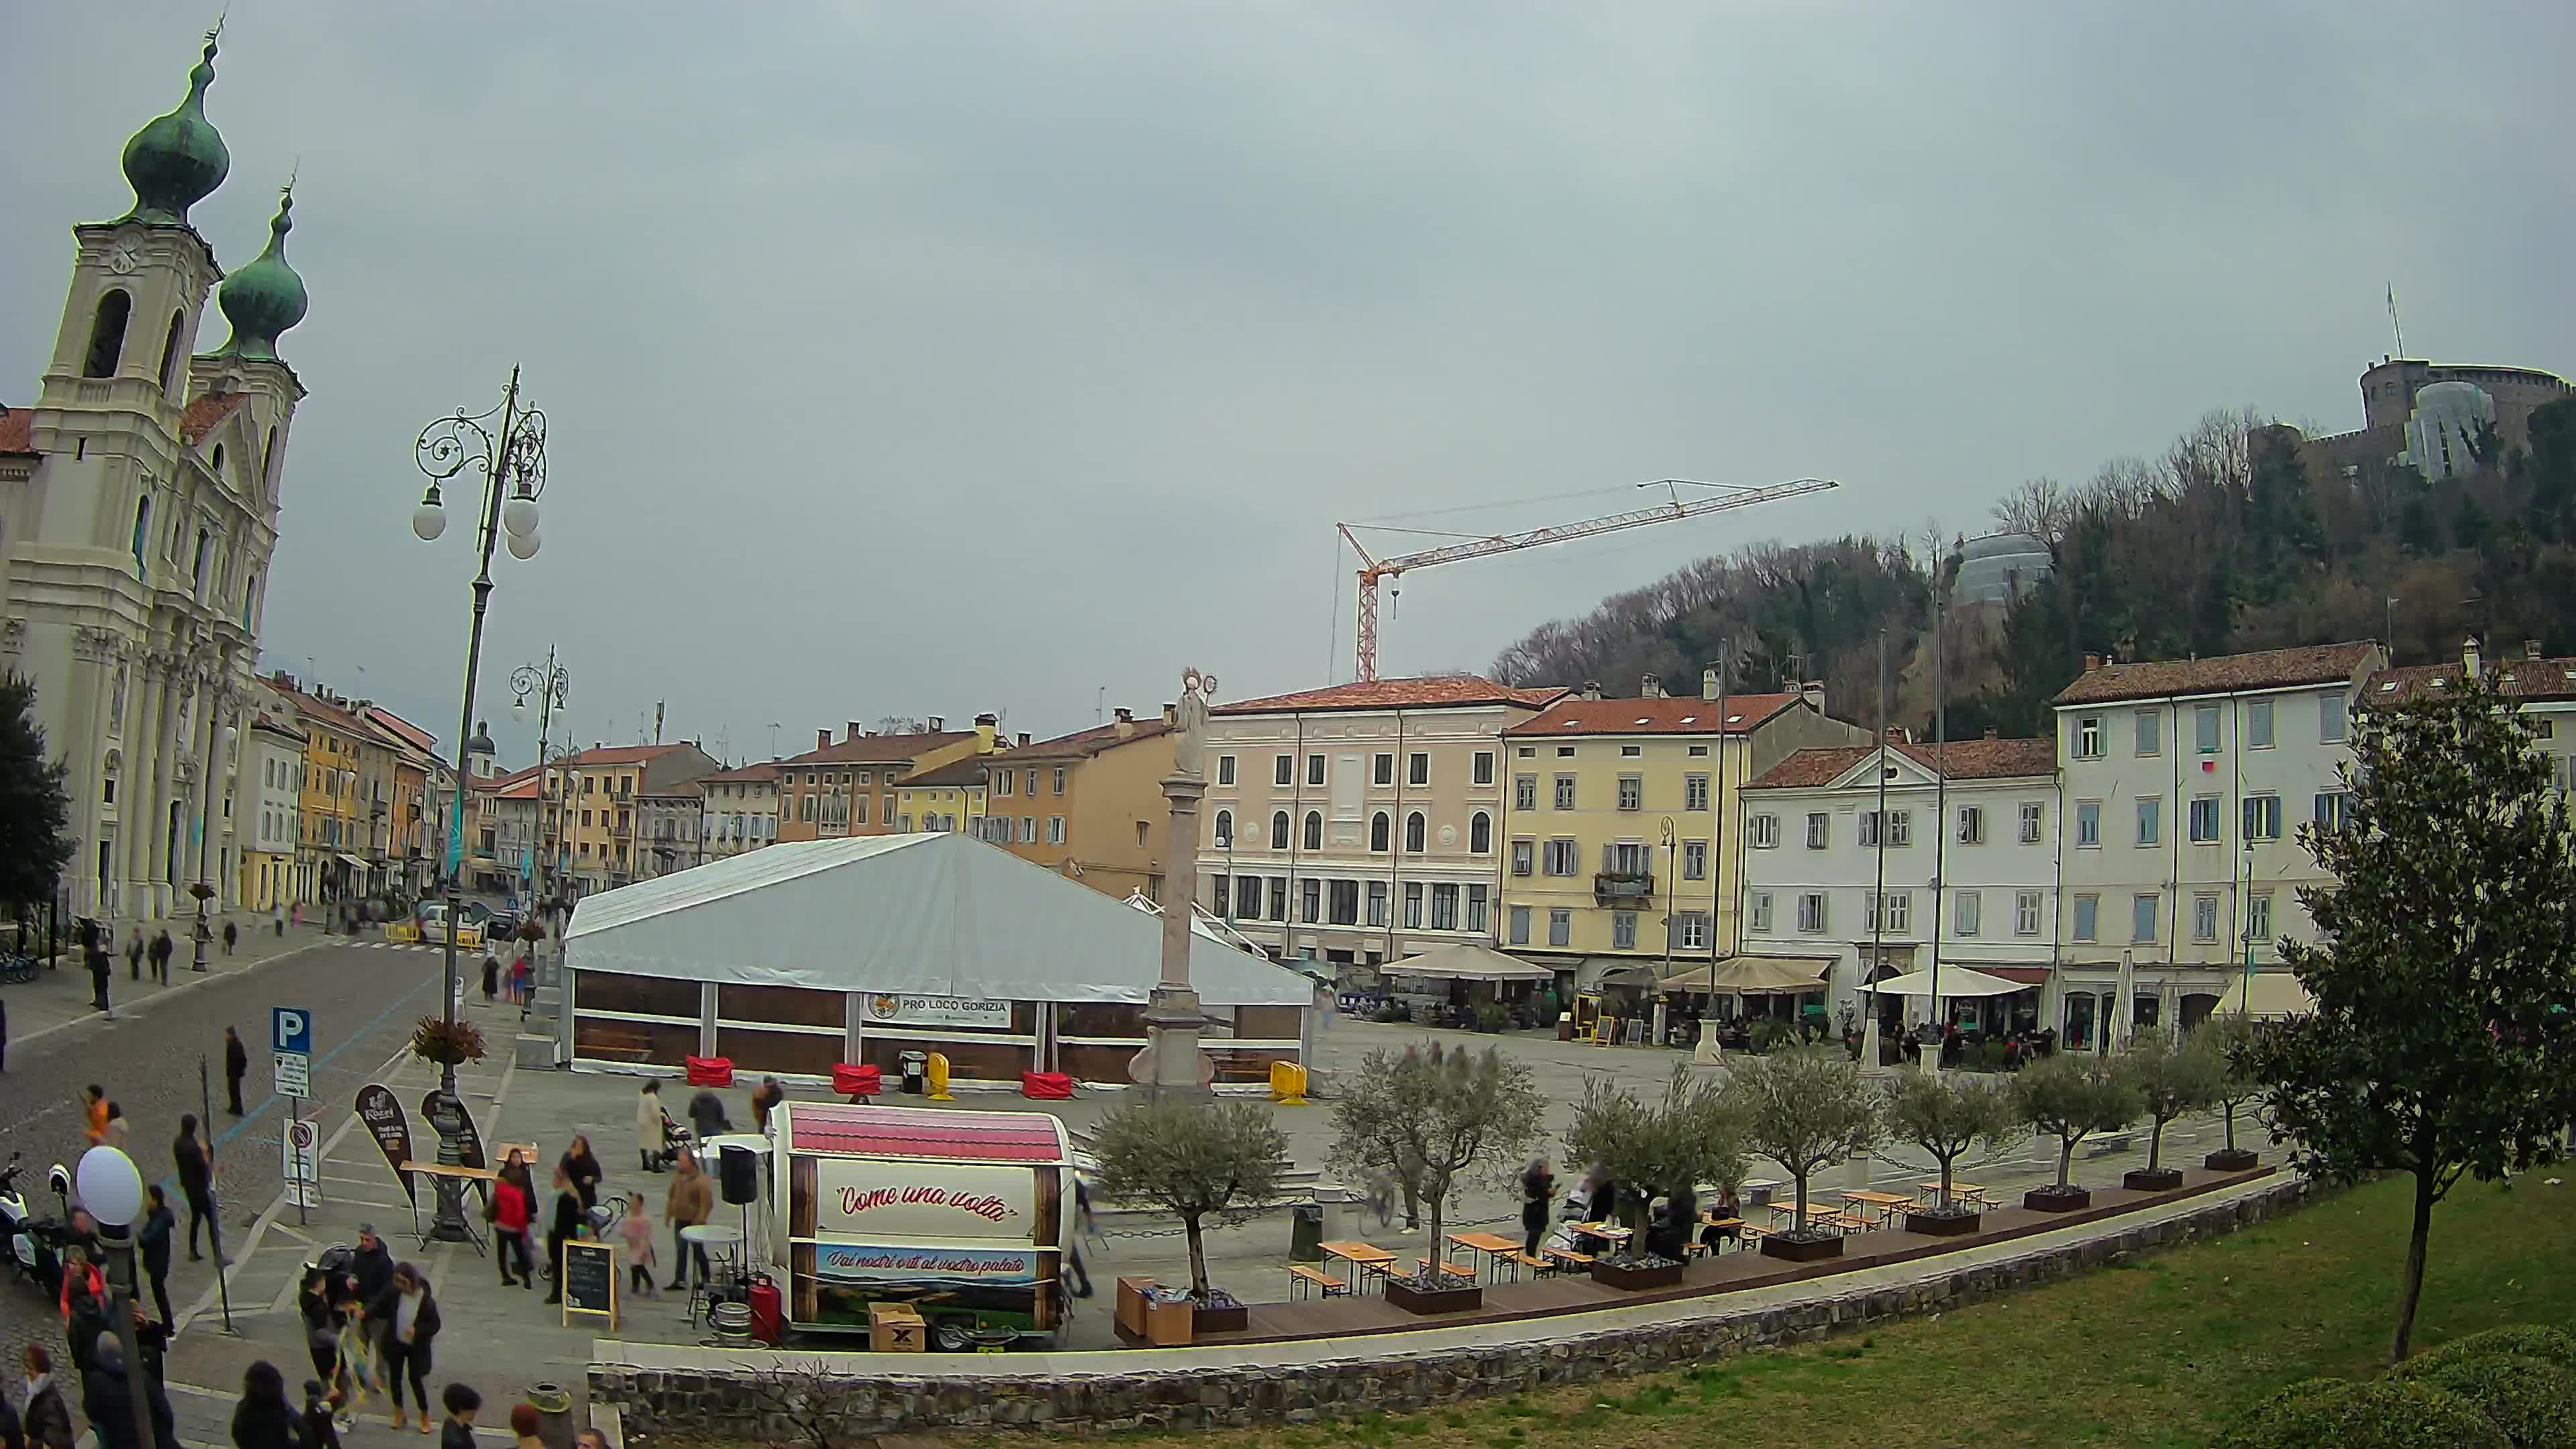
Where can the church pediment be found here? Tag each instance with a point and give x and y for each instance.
(1902, 772)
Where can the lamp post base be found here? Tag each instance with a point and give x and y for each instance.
(203, 934)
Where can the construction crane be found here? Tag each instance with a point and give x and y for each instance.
(1372, 569)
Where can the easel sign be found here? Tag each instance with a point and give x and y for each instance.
(590, 1281)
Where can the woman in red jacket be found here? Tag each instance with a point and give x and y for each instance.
(510, 1212)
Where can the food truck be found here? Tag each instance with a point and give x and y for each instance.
(962, 1216)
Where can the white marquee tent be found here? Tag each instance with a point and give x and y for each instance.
(941, 915)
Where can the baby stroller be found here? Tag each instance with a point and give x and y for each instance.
(676, 1139)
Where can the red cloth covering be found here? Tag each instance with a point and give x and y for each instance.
(710, 1071)
(1046, 1086)
(851, 1080)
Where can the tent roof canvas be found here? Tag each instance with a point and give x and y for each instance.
(1467, 961)
(938, 914)
(1955, 981)
(1752, 976)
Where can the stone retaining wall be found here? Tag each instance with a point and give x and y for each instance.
(727, 1402)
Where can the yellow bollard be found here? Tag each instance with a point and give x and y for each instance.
(934, 1071)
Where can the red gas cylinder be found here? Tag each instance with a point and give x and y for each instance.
(768, 1312)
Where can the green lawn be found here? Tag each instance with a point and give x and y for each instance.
(2154, 1353)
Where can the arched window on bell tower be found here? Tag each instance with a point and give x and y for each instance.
(107, 333)
(170, 351)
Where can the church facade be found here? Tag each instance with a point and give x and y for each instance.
(138, 515)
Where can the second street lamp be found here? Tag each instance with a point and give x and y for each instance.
(507, 445)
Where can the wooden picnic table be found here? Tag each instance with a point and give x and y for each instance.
(1606, 1232)
(1494, 1246)
(1887, 1204)
(1364, 1258)
(1959, 1191)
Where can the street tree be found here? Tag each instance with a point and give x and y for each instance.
(1432, 1118)
(1806, 1109)
(2070, 1098)
(35, 813)
(2171, 1075)
(2443, 1042)
(1947, 1114)
(1661, 1147)
(2233, 1037)
(1202, 1162)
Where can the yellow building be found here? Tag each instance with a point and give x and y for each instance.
(590, 810)
(1089, 804)
(946, 797)
(854, 787)
(1613, 821)
(331, 833)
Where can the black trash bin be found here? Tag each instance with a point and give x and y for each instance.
(916, 1067)
(1306, 1232)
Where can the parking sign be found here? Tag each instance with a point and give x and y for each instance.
(290, 1044)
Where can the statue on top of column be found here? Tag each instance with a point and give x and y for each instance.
(1190, 715)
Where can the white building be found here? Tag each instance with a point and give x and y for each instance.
(2542, 689)
(272, 768)
(138, 511)
(740, 810)
(1360, 823)
(1976, 889)
(2184, 785)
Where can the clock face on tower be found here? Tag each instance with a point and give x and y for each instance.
(124, 257)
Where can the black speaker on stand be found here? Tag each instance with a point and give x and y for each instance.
(738, 1179)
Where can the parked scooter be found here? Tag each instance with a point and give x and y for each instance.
(34, 1245)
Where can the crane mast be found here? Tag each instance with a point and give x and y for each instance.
(1373, 569)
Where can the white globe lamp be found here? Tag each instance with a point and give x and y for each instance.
(523, 545)
(110, 1187)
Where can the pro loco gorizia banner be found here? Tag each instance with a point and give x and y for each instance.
(874, 1263)
(938, 1011)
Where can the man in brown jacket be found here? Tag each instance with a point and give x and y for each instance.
(691, 1200)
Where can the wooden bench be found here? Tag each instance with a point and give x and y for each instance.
(1849, 1222)
(1302, 1278)
(1537, 1265)
(1567, 1260)
(1447, 1268)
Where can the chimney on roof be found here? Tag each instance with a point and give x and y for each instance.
(852, 730)
(1651, 686)
(1126, 723)
(1171, 713)
(2092, 662)
(2531, 649)
(1813, 692)
(2469, 657)
(1708, 686)
(823, 738)
(1592, 689)
(1022, 739)
(938, 723)
(987, 725)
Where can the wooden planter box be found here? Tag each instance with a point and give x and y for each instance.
(2050, 1200)
(1943, 1225)
(2231, 1159)
(1612, 1275)
(2161, 1179)
(1228, 1318)
(1792, 1250)
(1404, 1294)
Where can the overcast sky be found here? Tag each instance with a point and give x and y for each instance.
(933, 358)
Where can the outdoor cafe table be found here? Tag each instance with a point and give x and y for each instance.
(462, 1174)
(1959, 1191)
(1364, 1258)
(1887, 1204)
(1606, 1232)
(1494, 1246)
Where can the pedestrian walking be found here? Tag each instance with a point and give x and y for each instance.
(707, 1116)
(99, 971)
(48, 1418)
(690, 1201)
(161, 949)
(408, 1317)
(650, 1138)
(637, 1230)
(320, 1305)
(1538, 1201)
(236, 1066)
(525, 1425)
(153, 1238)
(491, 979)
(371, 1268)
(277, 920)
(134, 954)
(1083, 1226)
(196, 1175)
(117, 1127)
(263, 1419)
(562, 1225)
(232, 933)
(297, 915)
(108, 1402)
(765, 1099)
(509, 1211)
(94, 1114)
(461, 1402)
(581, 1169)
(319, 1430)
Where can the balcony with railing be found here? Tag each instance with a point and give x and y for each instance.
(1622, 886)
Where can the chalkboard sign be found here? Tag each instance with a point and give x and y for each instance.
(590, 1280)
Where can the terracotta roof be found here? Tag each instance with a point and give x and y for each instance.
(617, 755)
(2516, 678)
(207, 413)
(17, 431)
(879, 749)
(313, 707)
(2268, 669)
(521, 789)
(765, 770)
(1576, 716)
(1427, 692)
(502, 784)
(668, 792)
(276, 728)
(1083, 744)
(954, 774)
(1960, 759)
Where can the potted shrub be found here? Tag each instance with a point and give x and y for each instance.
(1655, 1149)
(1805, 1109)
(1945, 1115)
(1431, 1118)
(2070, 1098)
(445, 1043)
(2232, 1038)
(2171, 1076)
(1198, 1161)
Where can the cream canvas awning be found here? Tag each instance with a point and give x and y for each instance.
(1467, 961)
(2272, 993)
(1955, 981)
(1752, 976)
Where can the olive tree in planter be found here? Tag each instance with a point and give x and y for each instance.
(1199, 1161)
(1946, 1115)
(2171, 1075)
(1664, 1149)
(2070, 1098)
(1805, 1109)
(1431, 1118)
(2234, 1039)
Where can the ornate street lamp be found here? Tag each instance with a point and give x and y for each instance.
(507, 445)
(552, 688)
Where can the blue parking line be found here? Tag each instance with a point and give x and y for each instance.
(169, 1184)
